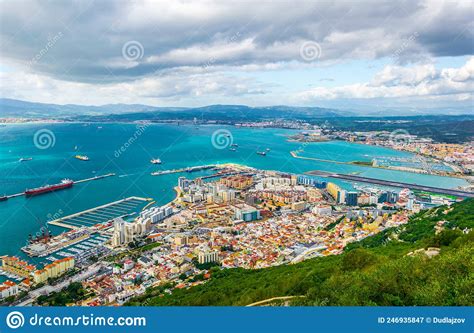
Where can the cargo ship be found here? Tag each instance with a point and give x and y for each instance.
(82, 157)
(65, 183)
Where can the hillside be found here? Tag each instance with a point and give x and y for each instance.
(24, 109)
(375, 271)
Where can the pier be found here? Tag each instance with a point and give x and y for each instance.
(188, 169)
(101, 214)
(9, 196)
(457, 193)
(94, 178)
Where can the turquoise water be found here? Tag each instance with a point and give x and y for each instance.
(176, 146)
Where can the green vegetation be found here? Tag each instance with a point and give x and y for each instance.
(71, 294)
(205, 266)
(332, 225)
(148, 247)
(374, 271)
(134, 253)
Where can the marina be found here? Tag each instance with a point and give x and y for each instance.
(136, 168)
(101, 214)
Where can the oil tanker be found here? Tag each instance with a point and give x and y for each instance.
(65, 183)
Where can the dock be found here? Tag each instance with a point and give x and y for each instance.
(9, 196)
(94, 178)
(101, 214)
(187, 169)
(354, 178)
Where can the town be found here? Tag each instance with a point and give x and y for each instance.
(237, 216)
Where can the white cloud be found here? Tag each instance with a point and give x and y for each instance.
(398, 82)
(233, 34)
(171, 88)
(217, 49)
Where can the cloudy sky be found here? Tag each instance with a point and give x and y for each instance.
(176, 53)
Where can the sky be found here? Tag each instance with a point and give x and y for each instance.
(341, 54)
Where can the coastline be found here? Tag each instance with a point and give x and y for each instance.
(294, 154)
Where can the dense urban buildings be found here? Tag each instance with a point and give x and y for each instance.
(239, 217)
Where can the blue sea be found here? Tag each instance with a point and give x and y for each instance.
(126, 149)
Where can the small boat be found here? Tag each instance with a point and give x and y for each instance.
(234, 145)
(262, 153)
(268, 149)
(24, 159)
(75, 147)
(155, 161)
(232, 149)
(3, 198)
(82, 157)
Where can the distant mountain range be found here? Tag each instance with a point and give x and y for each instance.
(17, 108)
(11, 108)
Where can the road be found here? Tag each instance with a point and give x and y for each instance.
(46, 290)
(457, 193)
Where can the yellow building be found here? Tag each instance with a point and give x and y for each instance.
(333, 190)
(17, 267)
(53, 270)
(298, 205)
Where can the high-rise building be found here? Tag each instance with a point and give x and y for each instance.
(388, 196)
(126, 232)
(341, 196)
(411, 201)
(183, 183)
(208, 256)
(333, 190)
(156, 214)
(351, 198)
